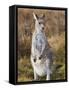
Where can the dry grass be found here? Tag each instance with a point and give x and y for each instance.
(55, 32)
(57, 41)
(24, 65)
(25, 69)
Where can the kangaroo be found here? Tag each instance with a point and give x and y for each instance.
(41, 54)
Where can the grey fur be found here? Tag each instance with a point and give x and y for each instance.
(41, 54)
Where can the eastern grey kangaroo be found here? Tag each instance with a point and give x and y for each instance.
(41, 54)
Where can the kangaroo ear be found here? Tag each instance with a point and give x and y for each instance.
(35, 16)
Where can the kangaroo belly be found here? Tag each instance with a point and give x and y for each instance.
(40, 68)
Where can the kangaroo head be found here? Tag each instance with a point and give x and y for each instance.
(39, 21)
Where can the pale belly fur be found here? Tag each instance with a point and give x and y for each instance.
(40, 67)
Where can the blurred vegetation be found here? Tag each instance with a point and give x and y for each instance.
(55, 32)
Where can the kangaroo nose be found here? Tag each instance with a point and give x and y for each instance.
(43, 28)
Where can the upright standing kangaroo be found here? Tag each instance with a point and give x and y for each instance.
(41, 54)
